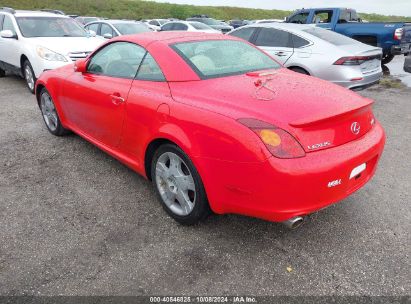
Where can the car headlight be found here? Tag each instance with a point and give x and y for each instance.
(47, 54)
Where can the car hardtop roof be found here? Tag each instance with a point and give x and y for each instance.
(171, 37)
(26, 13)
(111, 21)
(283, 26)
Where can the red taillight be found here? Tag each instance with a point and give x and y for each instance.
(279, 142)
(398, 34)
(353, 60)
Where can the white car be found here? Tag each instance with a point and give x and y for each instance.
(155, 24)
(268, 21)
(318, 52)
(112, 28)
(33, 42)
(188, 26)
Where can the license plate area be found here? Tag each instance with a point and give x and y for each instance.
(370, 65)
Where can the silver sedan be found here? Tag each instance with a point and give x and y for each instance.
(317, 52)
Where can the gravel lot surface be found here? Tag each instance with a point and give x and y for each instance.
(74, 221)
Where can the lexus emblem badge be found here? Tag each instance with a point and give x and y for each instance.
(355, 128)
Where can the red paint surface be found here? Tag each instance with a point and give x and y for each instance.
(239, 173)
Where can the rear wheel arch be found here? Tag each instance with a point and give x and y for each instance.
(299, 69)
(150, 150)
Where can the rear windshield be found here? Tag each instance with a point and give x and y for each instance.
(50, 27)
(329, 36)
(200, 26)
(209, 21)
(131, 28)
(218, 58)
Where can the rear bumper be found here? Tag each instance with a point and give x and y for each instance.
(279, 189)
(403, 48)
(366, 81)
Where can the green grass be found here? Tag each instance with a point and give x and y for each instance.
(136, 9)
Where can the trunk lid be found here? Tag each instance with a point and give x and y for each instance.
(317, 113)
(372, 56)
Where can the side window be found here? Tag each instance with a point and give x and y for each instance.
(299, 18)
(299, 42)
(323, 16)
(149, 70)
(106, 29)
(274, 38)
(167, 27)
(244, 33)
(180, 27)
(348, 16)
(93, 27)
(118, 59)
(8, 24)
(154, 22)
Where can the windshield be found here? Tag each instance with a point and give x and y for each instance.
(329, 36)
(131, 28)
(162, 21)
(218, 58)
(200, 26)
(50, 27)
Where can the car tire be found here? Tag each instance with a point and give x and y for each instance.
(29, 76)
(50, 115)
(178, 185)
(2, 73)
(299, 70)
(387, 58)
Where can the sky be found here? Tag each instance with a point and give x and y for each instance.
(384, 7)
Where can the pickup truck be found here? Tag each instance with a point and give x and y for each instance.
(393, 37)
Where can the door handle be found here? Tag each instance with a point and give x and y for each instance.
(116, 99)
(281, 54)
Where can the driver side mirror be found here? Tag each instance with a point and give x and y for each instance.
(91, 33)
(8, 34)
(108, 36)
(80, 66)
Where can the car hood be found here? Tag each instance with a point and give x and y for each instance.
(65, 45)
(305, 106)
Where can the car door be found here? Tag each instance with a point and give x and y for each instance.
(94, 27)
(9, 47)
(147, 106)
(275, 42)
(94, 102)
(107, 31)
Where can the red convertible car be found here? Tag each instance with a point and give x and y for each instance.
(217, 125)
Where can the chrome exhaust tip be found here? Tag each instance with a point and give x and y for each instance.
(294, 223)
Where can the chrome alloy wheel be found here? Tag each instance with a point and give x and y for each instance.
(175, 184)
(49, 112)
(28, 75)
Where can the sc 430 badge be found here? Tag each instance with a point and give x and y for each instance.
(334, 183)
(319, 146)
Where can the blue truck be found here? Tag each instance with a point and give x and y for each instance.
(393, 37)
